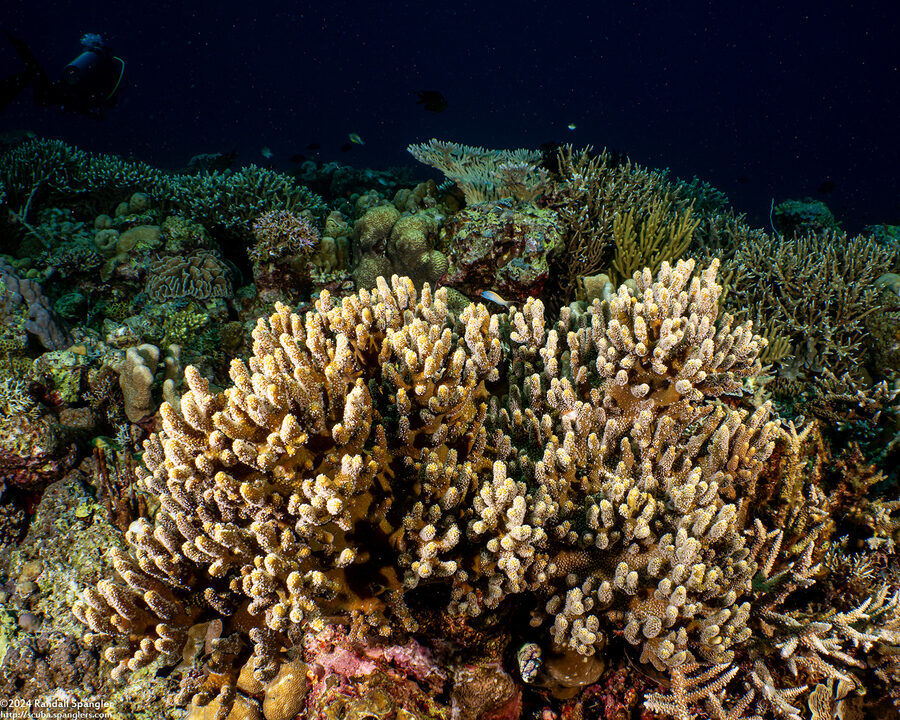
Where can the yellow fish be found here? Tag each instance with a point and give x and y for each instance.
(356, 139)
(571, 126)
(495, 298)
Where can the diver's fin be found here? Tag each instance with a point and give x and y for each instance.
(25, 55)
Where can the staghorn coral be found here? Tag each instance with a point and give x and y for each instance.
(648, 236)
(816, 293)
(280, 234)
(49, 171)
(593, 195)
(373, 456)
(281, 253)
(233, 200)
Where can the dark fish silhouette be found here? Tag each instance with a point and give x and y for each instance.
(826, 187)
(314, 146)
(743, 180)
(298, 158)
(346, 147)
(432, 100)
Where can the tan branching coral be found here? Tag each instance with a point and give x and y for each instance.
(601, 470)
(281, 496)
(620, 431)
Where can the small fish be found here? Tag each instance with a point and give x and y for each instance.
(298, 158)
(355, 139)
(826, 187)
(571, 126)
(314, 146)
(346, 147)
(495, 298)
(432, 100)
(530, 661)
(266, 152)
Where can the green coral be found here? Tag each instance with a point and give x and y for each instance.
(182, 327)
(233, 200)
(181, 234)
(796, 217)
(50, 171)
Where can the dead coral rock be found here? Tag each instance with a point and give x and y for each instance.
(501, 246)
(485, 693)
(31, 453)
(565, 673)
(40, 320)
(142, 237)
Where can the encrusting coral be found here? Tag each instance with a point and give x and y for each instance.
(373, 450)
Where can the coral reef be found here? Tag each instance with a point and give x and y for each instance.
(359, 464)
(621, 499)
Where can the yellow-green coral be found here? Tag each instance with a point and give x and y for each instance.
(182, 327)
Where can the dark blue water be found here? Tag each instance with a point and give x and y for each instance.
(761, 99)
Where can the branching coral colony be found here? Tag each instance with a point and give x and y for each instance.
(375, 449)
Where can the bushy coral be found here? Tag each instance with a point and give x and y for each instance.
(373, 452)
(281, 233)
(233, 200)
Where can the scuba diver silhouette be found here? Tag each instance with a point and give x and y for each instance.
(90, 83)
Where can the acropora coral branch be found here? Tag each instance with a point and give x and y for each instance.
(375, 447)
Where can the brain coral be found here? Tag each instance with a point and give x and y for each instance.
(373, 447)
